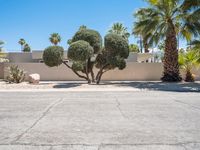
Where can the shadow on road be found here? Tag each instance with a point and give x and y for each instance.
(161, 86)
(152, 86)
(67, 85)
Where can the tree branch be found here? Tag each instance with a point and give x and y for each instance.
(100, 73)
(80, 76)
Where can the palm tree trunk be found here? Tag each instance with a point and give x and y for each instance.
(171, 66)
(146, 48)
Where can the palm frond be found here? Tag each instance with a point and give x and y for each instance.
(190, 4)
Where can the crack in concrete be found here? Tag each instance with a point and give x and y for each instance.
(184, 147)
(51, 148)
(181, 102)
(99, 146)
(103, 144)
(45, 112)
(178, 101)
(120, 110)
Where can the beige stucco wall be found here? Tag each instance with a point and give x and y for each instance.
(19, 57)
(133, 72)
(1, 70)
(35, 56)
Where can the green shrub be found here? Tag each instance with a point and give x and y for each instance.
(116, 45)
(78, 66)
(53, 56)
(16, 75)
(91, 36)
(80, 51)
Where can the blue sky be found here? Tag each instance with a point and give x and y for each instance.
(35, 20)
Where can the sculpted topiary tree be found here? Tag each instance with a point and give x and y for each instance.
(80, 53)
(53, 56)
(94, 39)
(113, 55)
(85, 52)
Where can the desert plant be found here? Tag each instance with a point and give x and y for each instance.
(85, 52)
(55, 38)
(187, 62)
(16, 75)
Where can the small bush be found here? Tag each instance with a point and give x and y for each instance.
(16, 75)
(53, 56)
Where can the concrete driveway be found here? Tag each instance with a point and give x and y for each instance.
(140, 120)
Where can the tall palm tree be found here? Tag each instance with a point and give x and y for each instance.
(55, 38)
(27, 48)
(1, 43)
(22, 42)
(160, 22)
(1, 51)
(119, 28)
(138, 31)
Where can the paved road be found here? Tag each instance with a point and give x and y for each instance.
(99, 121)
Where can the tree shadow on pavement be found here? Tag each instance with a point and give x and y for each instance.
(163, 86)
(67, 85)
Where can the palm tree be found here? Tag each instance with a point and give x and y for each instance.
(195, 44)
(165, 19)
(55, 38)
(118, 28)
(138, 31)
(22, 42)
(1, 43)
(1, 51)
(27, 48)
(134, 48)
(187, 62)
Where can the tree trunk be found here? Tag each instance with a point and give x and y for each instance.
(90, 69)
(146, 48)
(189, 77)
(86, 72)
(171, 66)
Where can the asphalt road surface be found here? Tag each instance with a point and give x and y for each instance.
(145, 120)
